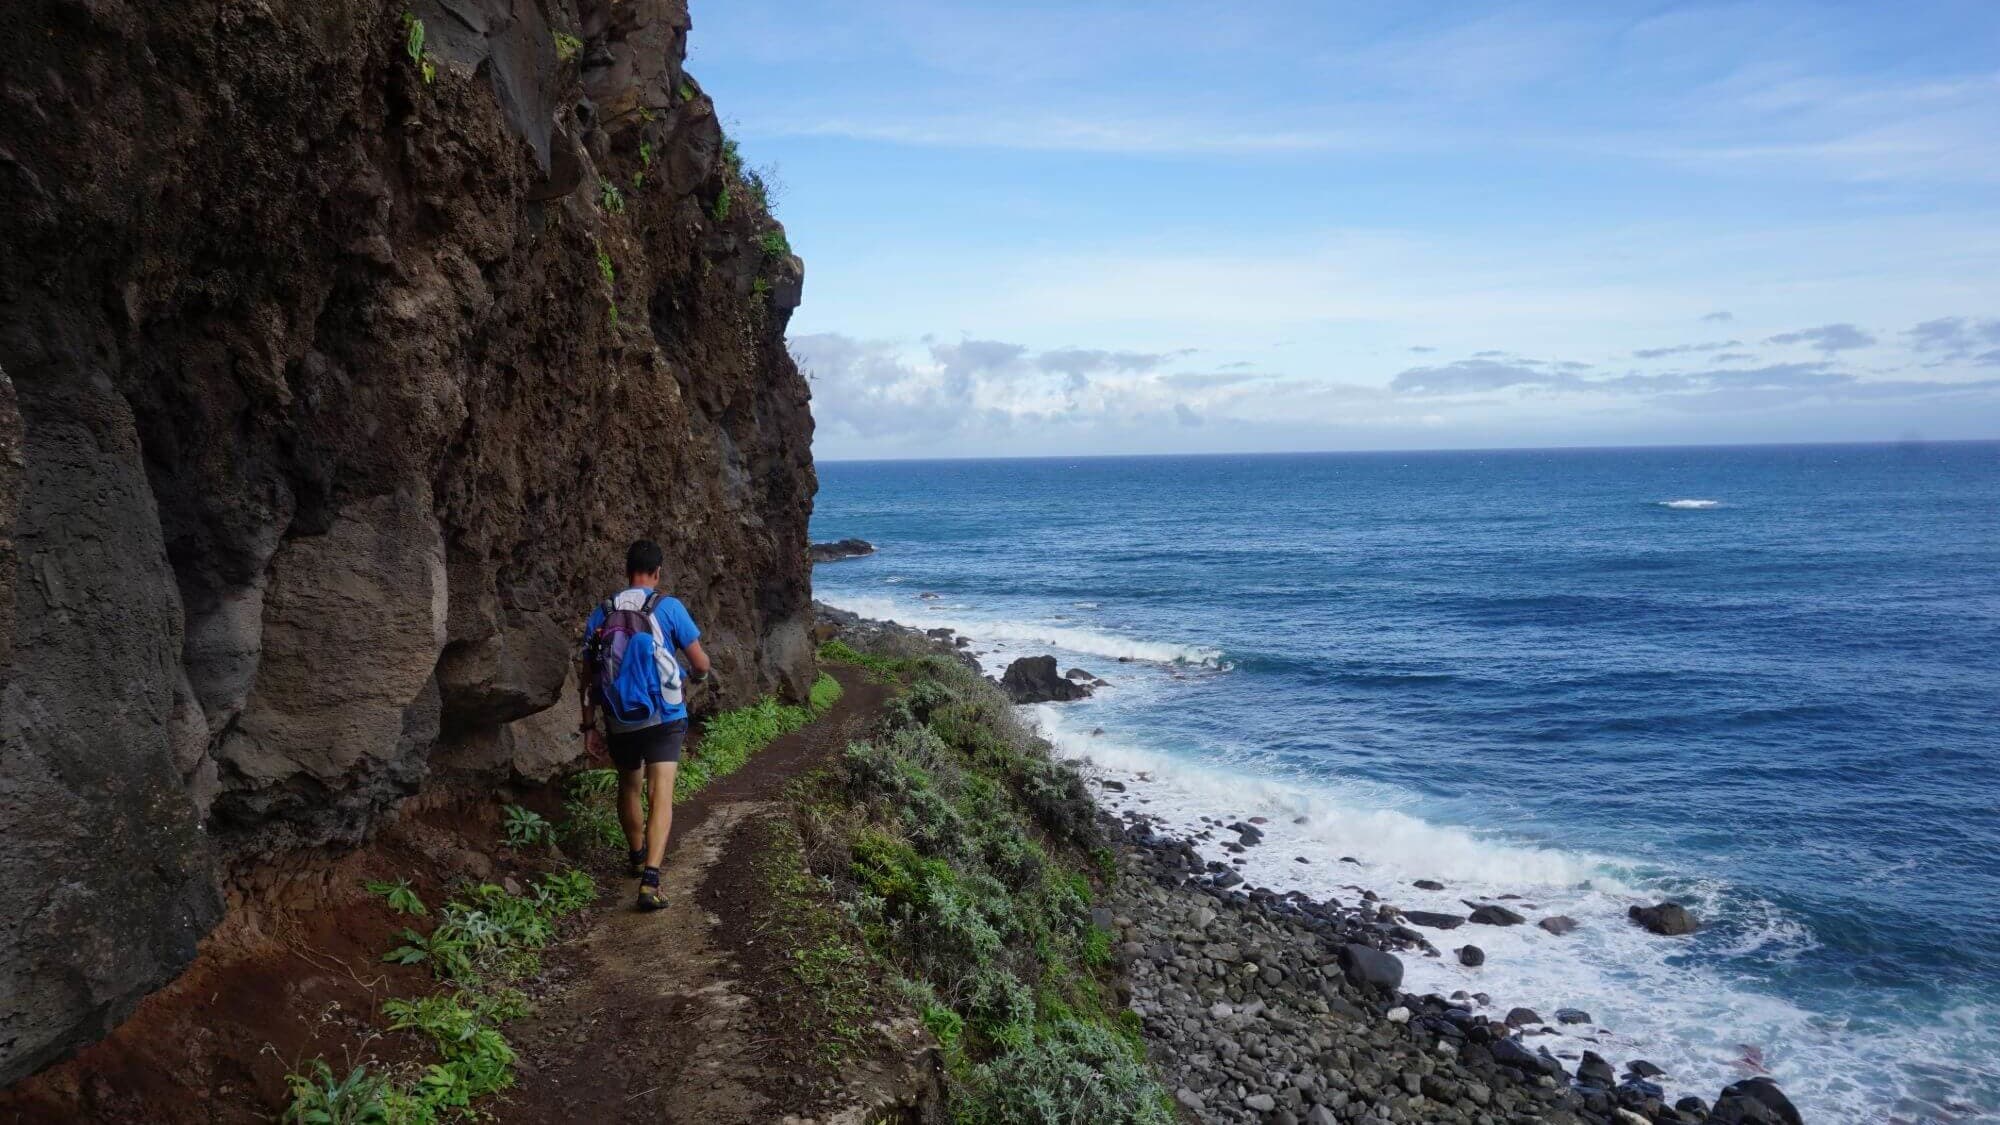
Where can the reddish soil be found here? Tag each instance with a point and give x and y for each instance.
(642, 1016)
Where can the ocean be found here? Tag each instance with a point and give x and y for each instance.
(1761, 681)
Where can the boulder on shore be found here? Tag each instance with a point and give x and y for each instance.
(1366, 965)
(841, 549)
(1433, 920)
(1558, 924)
(1755, 1100)
(1033, 679)
(1669, 919)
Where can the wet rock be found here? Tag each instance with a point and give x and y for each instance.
(1572, 1016)
(1643, 1069)
(1753, 1101)
(1433, 920)
(1669, 919)
(1428, 885)
(1594, 1071)
(1491, 915)
(1033, 679)
(1522, 1017)
(1558, 924)
(1471, 956)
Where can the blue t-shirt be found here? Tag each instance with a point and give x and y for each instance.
(675, 625)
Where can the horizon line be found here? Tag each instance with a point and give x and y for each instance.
(1912, 442)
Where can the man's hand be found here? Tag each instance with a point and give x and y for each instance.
(593, 741)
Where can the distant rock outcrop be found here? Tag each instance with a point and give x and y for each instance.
(1034, 679)
(841, 549)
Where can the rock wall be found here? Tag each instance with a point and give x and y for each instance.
(338, 363)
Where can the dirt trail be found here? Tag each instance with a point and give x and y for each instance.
(662, 1025)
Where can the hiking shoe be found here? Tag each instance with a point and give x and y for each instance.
(637, 868)
(651, 899)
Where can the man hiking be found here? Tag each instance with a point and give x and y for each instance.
(629, 677)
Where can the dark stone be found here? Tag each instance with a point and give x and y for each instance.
(1428, 885)
(1572, 1015)
(1522, 1017)
(1471, 956)
(1558, 924)
(1033, 679)
(1490, 915)
(1669, 919)
(1366, 965)
(1644, 1069)
(1754, 1100)
(1433, 920)
(841, 549)
(1594, 1071)
(1227, 878)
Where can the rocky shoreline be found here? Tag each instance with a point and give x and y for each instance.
(1261, 1007)
(1277, 1008)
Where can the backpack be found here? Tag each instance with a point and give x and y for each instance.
(632, 667)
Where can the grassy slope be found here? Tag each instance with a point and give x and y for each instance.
(948, 861)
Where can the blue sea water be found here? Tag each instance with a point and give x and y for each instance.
(1763, 681)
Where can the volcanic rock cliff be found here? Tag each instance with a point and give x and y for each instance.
(345, 345)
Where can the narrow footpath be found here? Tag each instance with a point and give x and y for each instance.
(663, 1025)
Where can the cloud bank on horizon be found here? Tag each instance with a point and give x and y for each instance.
(1156, 227)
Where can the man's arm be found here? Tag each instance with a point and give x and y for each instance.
(697, 661)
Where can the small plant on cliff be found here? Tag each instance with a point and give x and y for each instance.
(413, 43)
(721, 208)
(568, 46)
(686, 92)
(525, 827)
(605, 269)
(761, 287)
(612, 198)
(775, 243)
(400, 897)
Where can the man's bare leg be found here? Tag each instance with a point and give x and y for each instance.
(631, 811)
(660, 783)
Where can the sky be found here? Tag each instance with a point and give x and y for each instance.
(1100, 228)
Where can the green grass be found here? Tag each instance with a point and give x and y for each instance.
(568, 46)
(825, 693)
(840, 652)
(775, 243)
(829, 974)
(612, 199)
(728, 740)
(605, 269)
(722, 203)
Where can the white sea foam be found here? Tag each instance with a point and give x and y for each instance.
(1647, 997)
(1069, 638)
(1690, 503)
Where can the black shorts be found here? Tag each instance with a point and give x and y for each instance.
(632, 749)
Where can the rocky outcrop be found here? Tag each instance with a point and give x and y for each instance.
(340, 363)
(841, 549)
(1668, 919)
(1033, 679)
